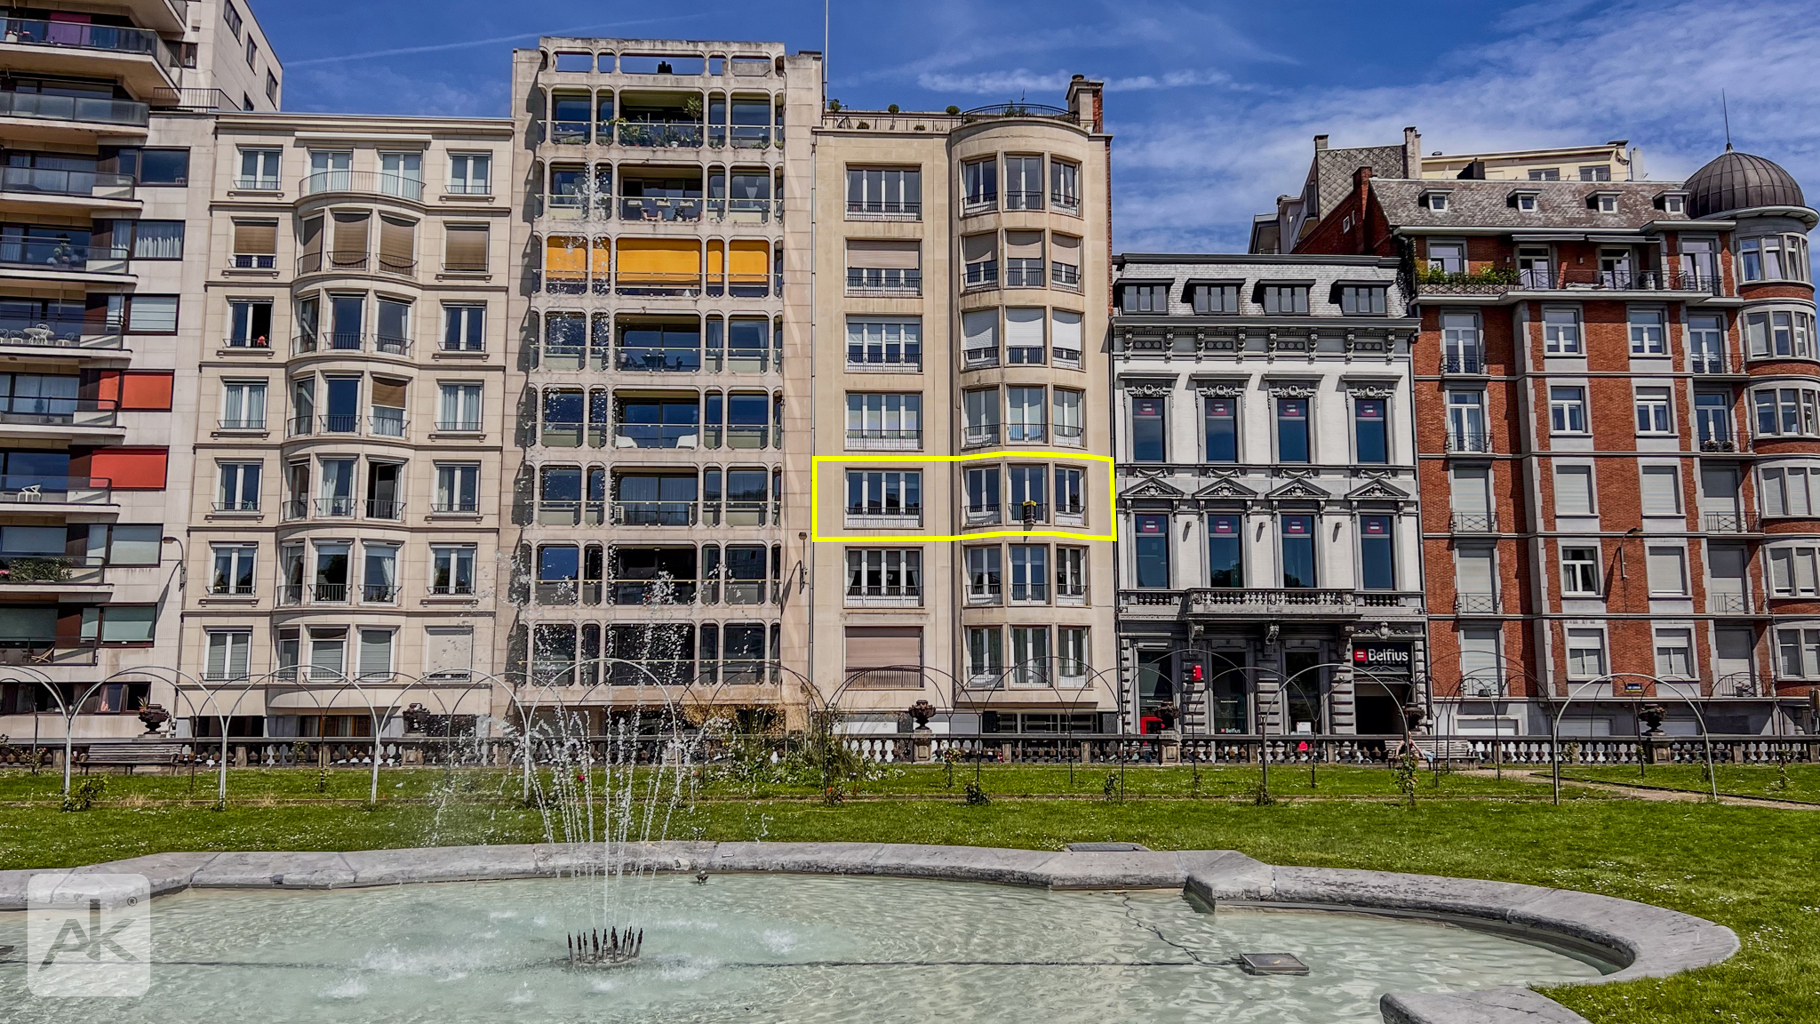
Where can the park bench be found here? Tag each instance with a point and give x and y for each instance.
(1450, 750)
(130, 755)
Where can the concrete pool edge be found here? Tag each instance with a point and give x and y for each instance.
(1645, 940)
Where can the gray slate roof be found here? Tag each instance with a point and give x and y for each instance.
(1473, 202)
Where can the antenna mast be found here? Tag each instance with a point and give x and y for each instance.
(1725, 109)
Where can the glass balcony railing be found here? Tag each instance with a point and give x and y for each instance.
(123, 39)
(74, 108)
(66, 412)
(53, 182)
(31, 488)
(370, 182)
(62, 254)
(59, 333)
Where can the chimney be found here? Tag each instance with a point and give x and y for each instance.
(1086, 103)
(1412, 152)
(1320, 143)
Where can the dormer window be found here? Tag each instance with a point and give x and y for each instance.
(1604, 202)
(1673, 203)
(1524, 200)
(1436, 201)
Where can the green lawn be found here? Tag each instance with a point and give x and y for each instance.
(1748, 867)
(1799, 782)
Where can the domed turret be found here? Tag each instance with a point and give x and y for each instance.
(1740, 181)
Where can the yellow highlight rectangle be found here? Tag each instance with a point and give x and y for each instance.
(815, 469)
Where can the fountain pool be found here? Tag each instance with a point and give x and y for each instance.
(769, 948)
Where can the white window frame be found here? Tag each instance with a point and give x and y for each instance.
(1561, 331)
(1567, 404)
(1582, 640)
(1647, 338)
(1580, 570)
(1655, 410)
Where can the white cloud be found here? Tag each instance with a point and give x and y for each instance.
(1630, 70)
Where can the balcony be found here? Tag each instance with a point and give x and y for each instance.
(1274, 603)
(75, 337)
(1731, 522)
(1729, 604)
(654, 513)
(349, 341)
(51, 573)
(385, 422)
(884, 209)
(373, 183)
(884, 439)
(32, 489)
(57, 412)
(1466, 361)
(983, 514)
(1066, 276)
(60, 256)
(884, 282)
(1468, 442)
(77, 109)
(1474, 522)
(44, 181)
(651, 435)
(646, 208)
(1023, 273)
(139, 57)
(384, 509)
(1503, 281)
(1475, 604)
(1719, 446)
(47, 651)
(658, 134)
(242, 423)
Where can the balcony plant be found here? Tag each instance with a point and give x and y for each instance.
(35, 570)
(1484, 276)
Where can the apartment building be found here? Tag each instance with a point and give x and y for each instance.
(963, 514)
(100, 246)
(659, 368)
(1270, 545)
(1610, 389)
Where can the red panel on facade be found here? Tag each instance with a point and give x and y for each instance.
(130, 469)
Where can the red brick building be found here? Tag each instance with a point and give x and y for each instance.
(1617, 388)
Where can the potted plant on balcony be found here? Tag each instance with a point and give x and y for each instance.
(154, 716)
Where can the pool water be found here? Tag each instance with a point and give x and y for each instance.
(776, 948)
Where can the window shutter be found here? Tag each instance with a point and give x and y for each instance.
(256, 238)
(448, 651)
(1659, 497)
(131, 469)
(1065, 331)
(396, 251)
(1479, 656)
(1475, 571)
(388, 393)
(975, 248)
(1665, 575)
(751, 261)
(1065, 249)
(466, 247)
(1024, 327)
(884, 647)
(146, 390)
(350, 241)
(1470, 487)
(375, 652)
(1024, 245)
(218, 655)
(980, 328)
(1573, 491)
(881, 255)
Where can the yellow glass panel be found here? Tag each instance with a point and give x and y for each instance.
(717, 260)
(603, 258)
(659, 260)
(750, 262)
(566, 259)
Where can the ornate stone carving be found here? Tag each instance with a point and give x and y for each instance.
(1220, 390)
(1148, 390)
(1372, 391)
(1293, 390)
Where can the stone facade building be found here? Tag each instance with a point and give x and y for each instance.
(1269, 543)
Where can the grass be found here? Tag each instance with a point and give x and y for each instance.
(1746, 867)
(1800, 784)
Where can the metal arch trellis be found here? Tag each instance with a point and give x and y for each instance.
(177, 679)
(1712, 777)
(1500, 695)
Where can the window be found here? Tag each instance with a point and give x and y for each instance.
(252, 61)
(1151, 552)
(983, 494)
(1475, 582)
(1606, 202)
(1647, 333)
(464, 248)
(1435, 201)
(1377, 553)
(255, 245)
(1221, 426)
(1029, 573)
(451, 569)
(250, 323)
(1024, 414)
(1599, 172)
(1674, 653)
(1028, 500)
(1706, 344)
(464, 328)
(229, 655)
(1788, 491)
(882, 493)
(1544, 174)
(1370, 430)
(1561, 331)
(459, 407)
(879, 265)
(1567, 410)
(151, 314)
(1285, 298)
(1792, 571)
(985, 655)
(1298, 551)
(232, 17)
(1363, 299)
(1667, 571)
(1070, 574)
(1779, 333)
(258, 170)
(1447, 257)
(1068, 492)
(1226, 551)
(157, 239)
(1525, 201)
(457, 488)
(1064, 185)
(164, 167)
(243, 405)
(1148, 430)
(892, 575)
(1460, 345)
(1585, 653)
(1065, 338)
(1573, 490)
(1292, 430)
(1773, 258)
(235, 569)
(1023, 183)
(1653, 414)
(1212, 299)
(1661, 490)
(376, 653)
(886, 344)
(983, 580)
(237, 487)
(1798, 653)
(1143, 298)
(471, 174)
(1579, 571)
(1024, 340)
(885, 192)
(120, 623)
(884, 420)
(271, 87)
(979, 183)
(1787, 411)
(980, 419)
(1713, 418)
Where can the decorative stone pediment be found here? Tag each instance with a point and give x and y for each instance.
(1293, 390)
(1152, 487)
(1148, 390)
(1372, 391)
(1225, 488)
(1299, 490)
(1220, 389)
(1377, 489)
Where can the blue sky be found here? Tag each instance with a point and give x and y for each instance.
(1213, 105)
